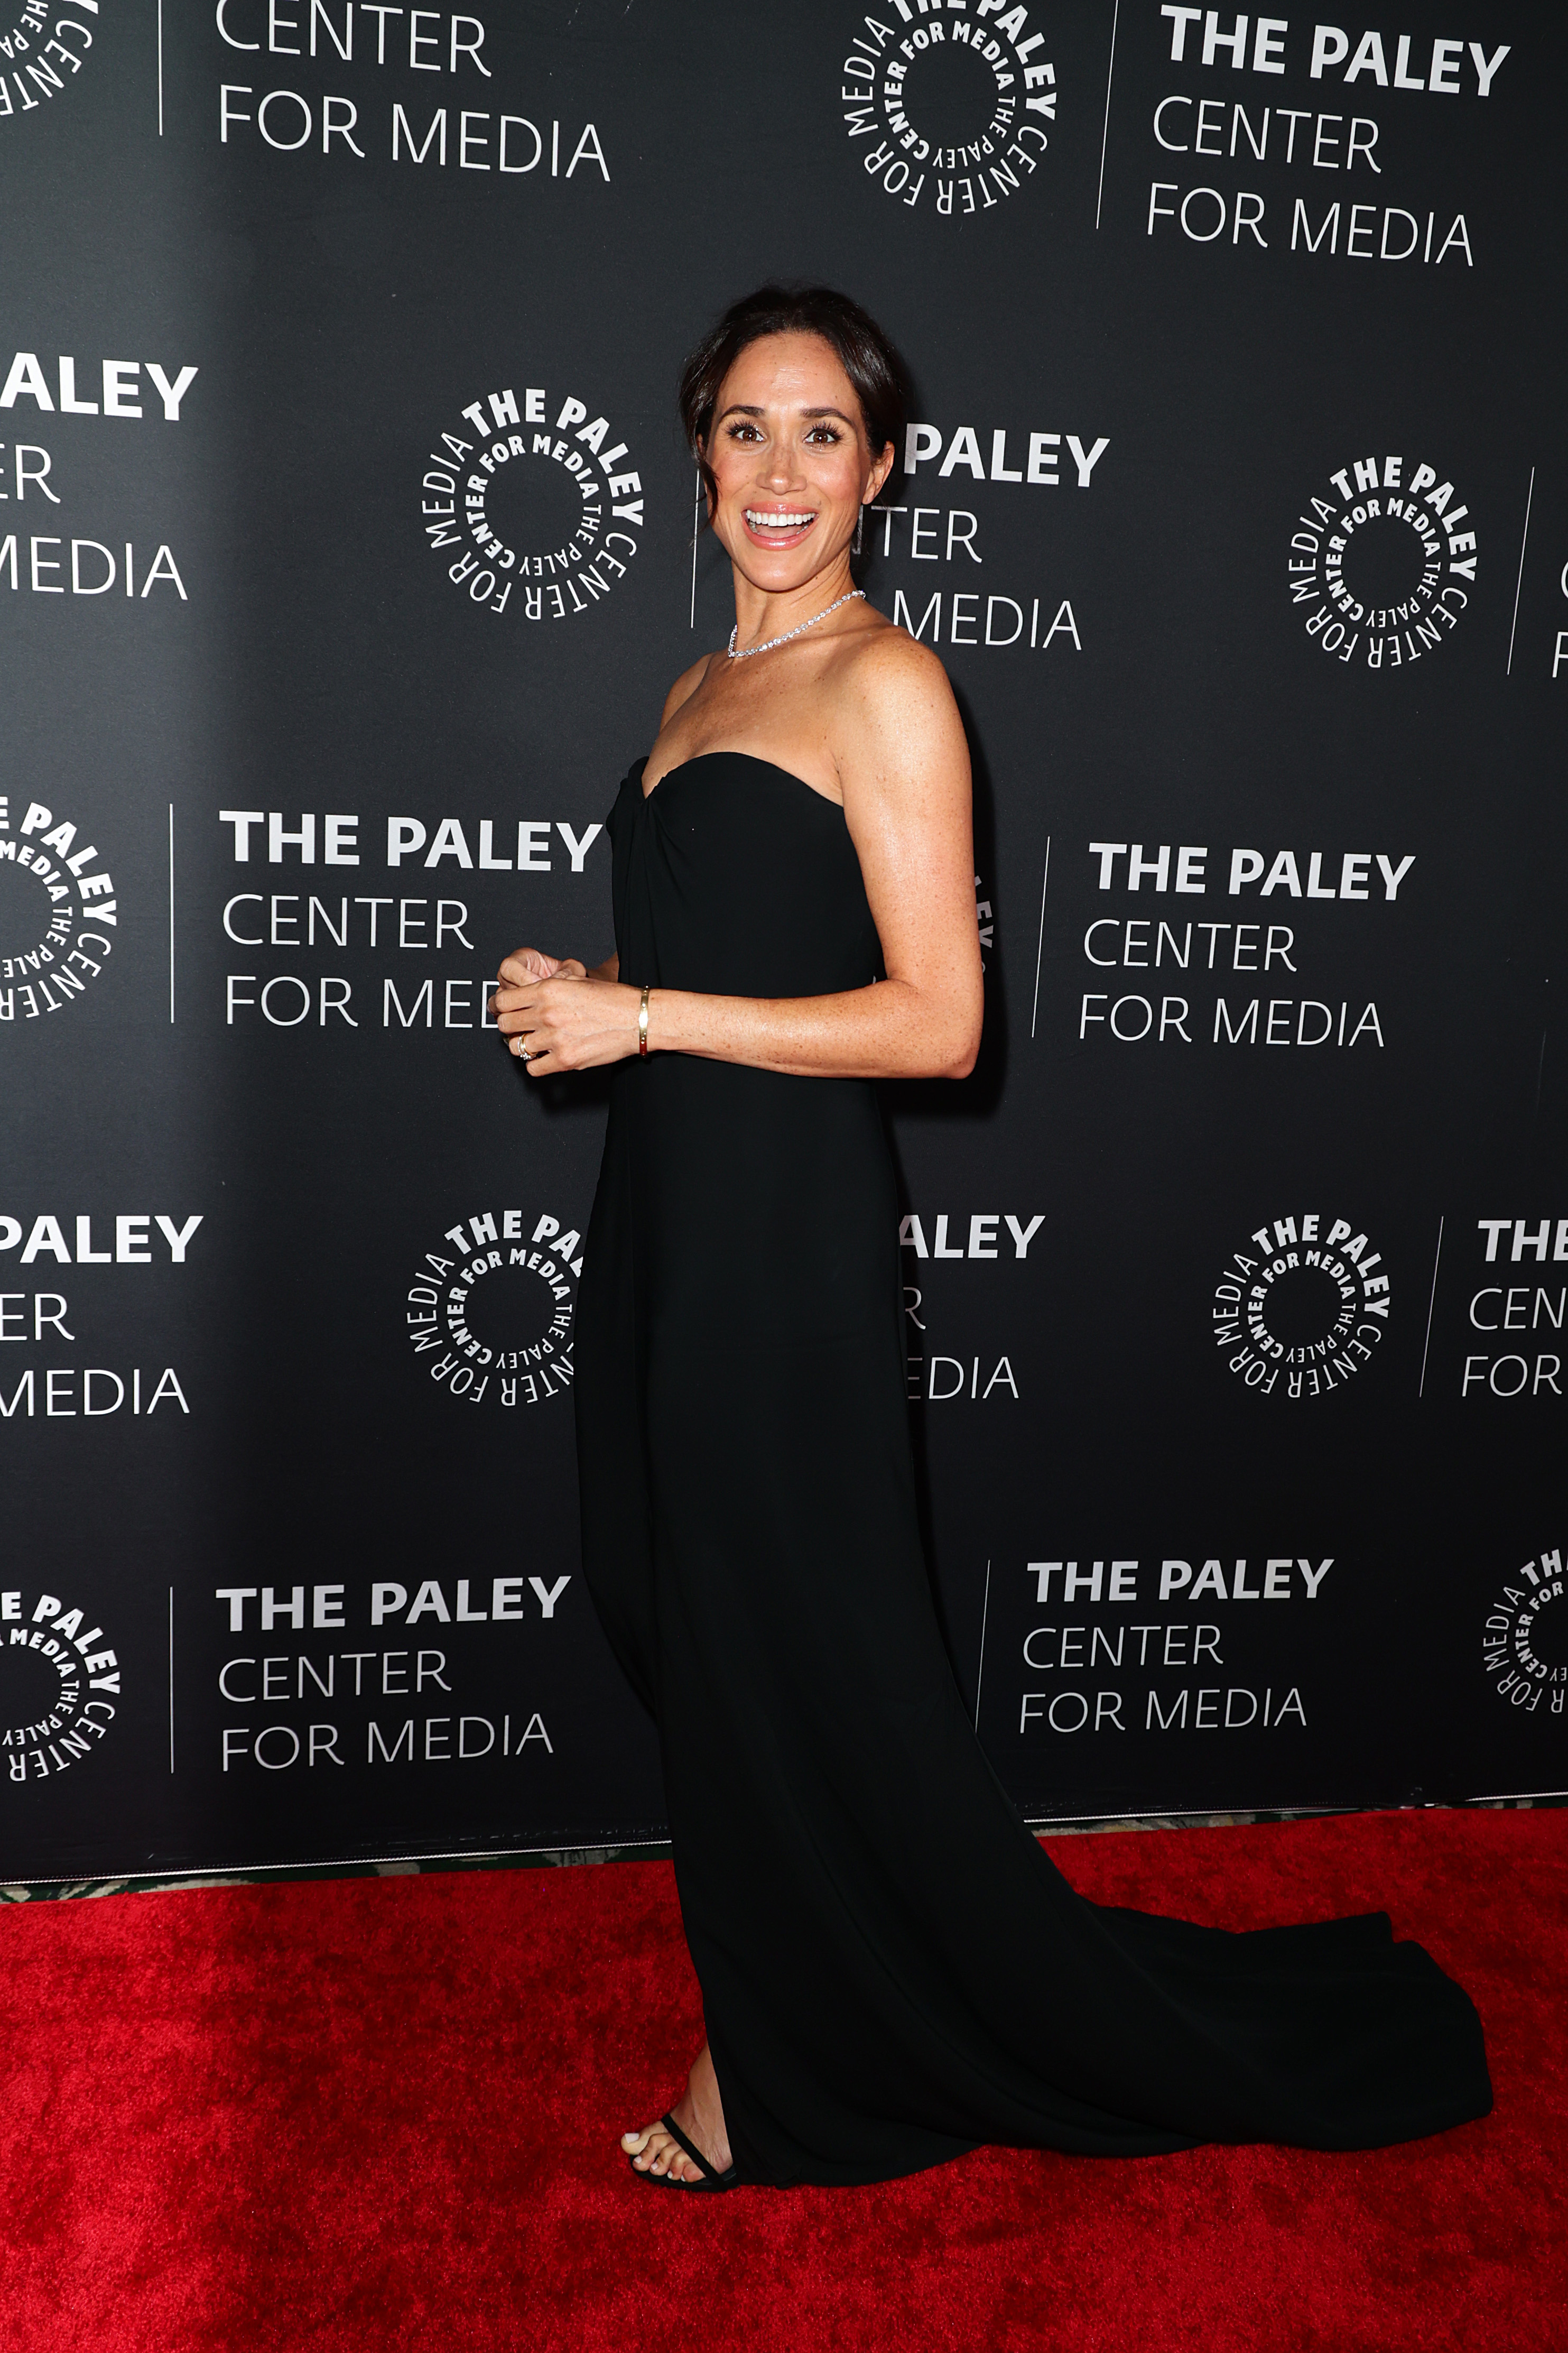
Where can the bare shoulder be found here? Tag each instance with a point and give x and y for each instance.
(894, 695)
(685, 686)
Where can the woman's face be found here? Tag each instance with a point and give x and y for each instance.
(789, 453)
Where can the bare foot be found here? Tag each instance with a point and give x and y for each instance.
(701, 2115)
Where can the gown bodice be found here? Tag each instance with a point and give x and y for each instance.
(735, 879)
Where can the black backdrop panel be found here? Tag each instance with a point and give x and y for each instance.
(347, 555)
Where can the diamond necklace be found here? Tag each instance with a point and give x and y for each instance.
(767, 646)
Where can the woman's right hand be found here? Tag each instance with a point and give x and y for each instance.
(532, 964)
(523, 966)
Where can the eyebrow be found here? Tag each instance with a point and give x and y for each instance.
(749, 408)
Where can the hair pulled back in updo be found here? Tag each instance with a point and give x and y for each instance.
(868, 357)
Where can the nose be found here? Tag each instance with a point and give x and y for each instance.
(780, 474)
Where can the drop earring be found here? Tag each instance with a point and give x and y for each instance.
(860, 533)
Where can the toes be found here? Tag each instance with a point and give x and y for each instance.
(649, 2151)
(652, 2151)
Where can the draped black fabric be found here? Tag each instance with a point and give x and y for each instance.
(893, 1970)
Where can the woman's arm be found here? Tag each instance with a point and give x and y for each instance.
(903, 768)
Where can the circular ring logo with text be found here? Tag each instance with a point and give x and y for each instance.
(42, 53)
(490, 1314)
(952, 104)
(1302, 1308)
(1385, 569)
(535, 505)
(1524, 1644)
(59, 1685)
(50, 948)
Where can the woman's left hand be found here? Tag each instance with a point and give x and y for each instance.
(572, 1021)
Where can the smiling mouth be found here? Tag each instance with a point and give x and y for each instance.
(757, 520)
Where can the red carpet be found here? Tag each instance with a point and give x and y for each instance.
(367, 2114)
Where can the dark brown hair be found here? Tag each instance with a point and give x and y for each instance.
(868, 359)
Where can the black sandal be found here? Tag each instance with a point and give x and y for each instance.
(710, 2181)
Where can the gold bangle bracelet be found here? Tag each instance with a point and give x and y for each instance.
(642, 1021)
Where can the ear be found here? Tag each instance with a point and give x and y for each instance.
(880, 469)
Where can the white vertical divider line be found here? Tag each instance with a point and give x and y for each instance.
(160, 68)
(1519, 583)
(1040, 947)
(171, 911)
(1105, 134)
(170, 1678)
(1431, 1303)
(696, 526)
(979, 1670)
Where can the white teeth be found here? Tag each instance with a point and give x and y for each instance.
(760, 522)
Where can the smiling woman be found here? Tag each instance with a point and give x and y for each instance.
(893, 1970)
(869, 365)
(775, 401)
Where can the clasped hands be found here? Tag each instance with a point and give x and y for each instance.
(553, 1010)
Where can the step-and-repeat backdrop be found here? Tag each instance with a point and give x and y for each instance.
(346, 554)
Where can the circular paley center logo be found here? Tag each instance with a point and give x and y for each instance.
(489, 1314)
(1385, 569)
(41, 53)
(59, 1684)
(952, 102)
(1524, 1644)
(1301, 1308)
(535, 506)
(58, 912)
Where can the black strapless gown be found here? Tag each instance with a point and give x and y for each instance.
(893, 1970)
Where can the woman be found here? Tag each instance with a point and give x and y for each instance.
(893, 1970)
